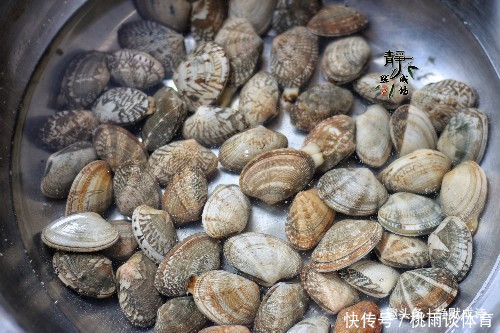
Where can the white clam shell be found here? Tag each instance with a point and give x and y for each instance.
(318, 324)
(258, 12)
(373, 139)
(402, 251)
(259, 99)
(365, 86)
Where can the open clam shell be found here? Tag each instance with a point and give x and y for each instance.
(172, 13)
(317, 324)
(207, 17)
(337, 20)
(401, 251)
(292, 13)
(365, 86)
(373, 139)
(258, 12)
(179, 315)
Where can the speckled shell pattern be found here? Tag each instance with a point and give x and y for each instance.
(258, 12)
(291, 13)
(179, 315)
(207, 17)
(365, 87)
(337, 20)
(225, 329)
(373, 139)
(402, 251)
(126, 244)
(172, 13)
(316, 324)
(364, 309)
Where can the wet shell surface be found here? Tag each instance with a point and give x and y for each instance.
(346, 242)
(63, 166)
(463, 193)
(282, 306)
(402, 252)
(352, 191)
(364, 309)
(373, 139)
(425, 289)
(137, 295)
(194, 255)
(308, 220)
(92, 189)
(465, 137)
(179, 315)
(365, 86)
(123, 106)
(207, 17)
(317, 324)
(262, 257)
(67, 127)
(87, 274)
(419, 172)
(81, 232)
(337, 20)
(292, 13)
(410, 214)
(225, 329)
(345, 59)
(172, 13)
(154, 232)
(319, 103)
(126, 244)
(258, 12)
(225, 298)
(450, 247)
(241, 148)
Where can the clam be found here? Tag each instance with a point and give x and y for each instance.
(63, 166)
(328, 290)
(225, 329)
(292, 13)
(450, 247)
(225, 298)
(366, 87)
(410, 214)
(241, 148)
(92, 189)
(441, 100)
(411, 130)
(419, 172)
(335, 138)
(258, 12)
(426, 289)
(126, 244)
(371, 324)
(211, 125)
(402, 252)
(87, 274)
(465, 137)
(352, 191)
(337, 20)
(319, 103)
(263, 258)
(154, 232)
(175, 157)
(282, 306)
(317, 324)
(123, 106)
(67, 127)
(81, 232)
(163, 43)
(345, 59)
(185, 196)
(207, 17)
(373, 139)
(371, 278)
(308, 220)
(172, 13)
(463, 193)
(346, 242)
(86, 76)
(226, 211)
(179, 315)
(116, 145)
(194, 255)
(137, 296)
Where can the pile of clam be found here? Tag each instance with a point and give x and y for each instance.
(125, 140)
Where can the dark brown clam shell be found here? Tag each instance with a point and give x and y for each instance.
(337, 20)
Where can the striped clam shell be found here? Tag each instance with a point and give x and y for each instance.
(364, 309)
(259, 99)
(179, 315)
(225, 329)
(401, 251)
(172, 13)
(126, 244)
(337, 20)
(258, 12)
(365, 87)
(207, 17)
(291, 13)
(316, 324)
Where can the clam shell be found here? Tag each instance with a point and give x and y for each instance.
(282, 306)
(337, 20)
(368, 310)
(402, 252)
(67, 127)
(179, 315)
(419, 172)
(126, 244)
(463, 193)
(345, 59)
(81, 232)
(465, 137)
(319, 103)
(436, 290)
(177, 156)
(123, 106)
(365, 86)
(308, 220)
(292, 13)
(352, 191)
(225, 329)
(172, 13)
(92, 189)
(154, 232)
(442, 99)
(87, 274)
(258, 12)
(207, 17)
(226, 212)
(225, 298)
(410, 214)
(63, 166)
(371, 278)
(328, 290)
(373, 139)
(194, 255)
(211, 126)
(450, 247)
(261, 257)
(241, 148)
(116, 145)
(317, 324)
(137, 296)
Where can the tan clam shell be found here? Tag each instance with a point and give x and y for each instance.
(401, 251)
(317, 324)
(308, 220)
(179, 315)
(419, 172)
(207, 17)
(172, 13)
(291, 13)
(365, 86)
(373, 138)
(365, 309)
(225, 329)
(337, 20)
(258, 12)
(126, 244)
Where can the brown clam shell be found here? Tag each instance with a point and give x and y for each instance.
(126, 244)
(225, 329)
(363, 309)
(179, 315)
(402, 251)
(337, 20)
(207, 17)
